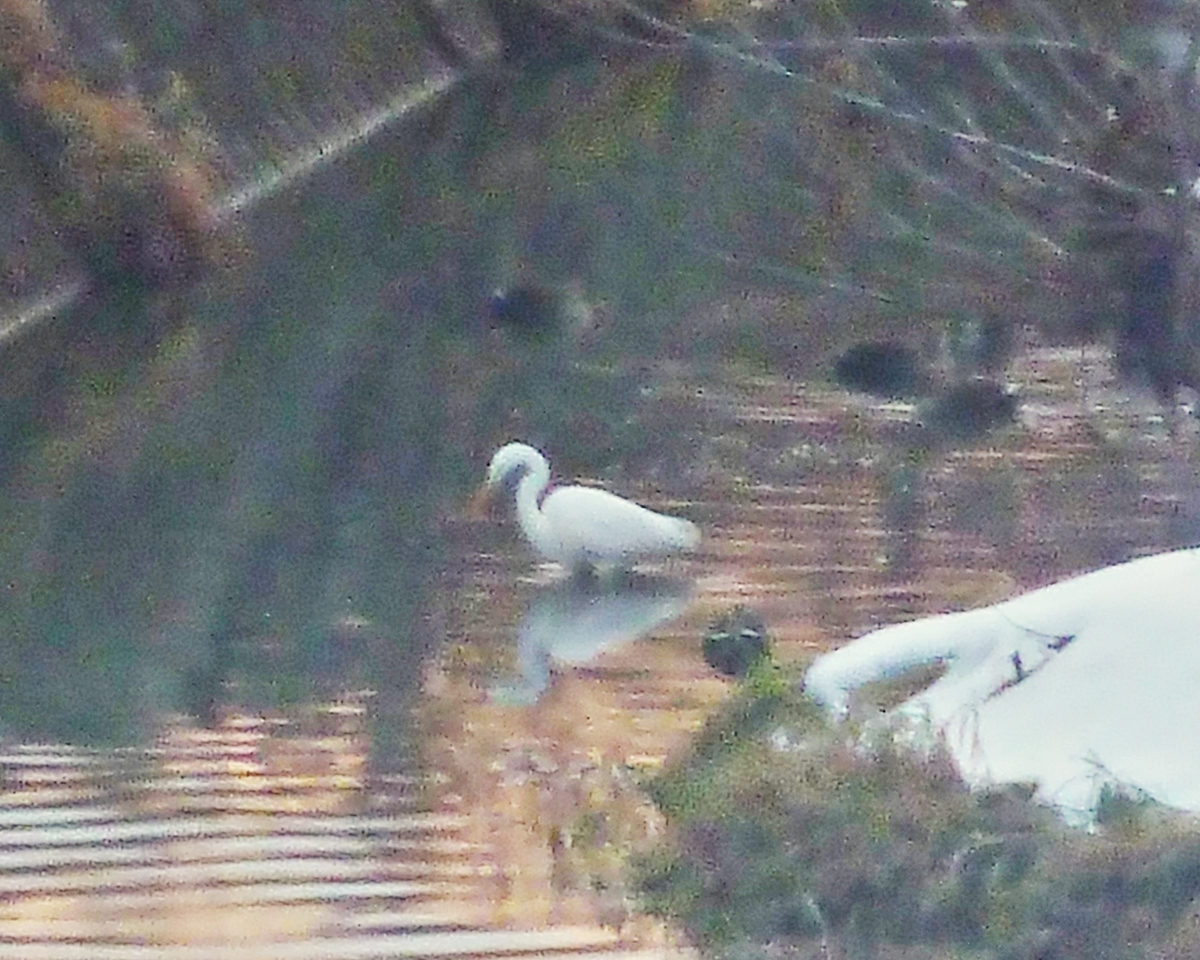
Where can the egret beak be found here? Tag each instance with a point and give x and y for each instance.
(477, 506)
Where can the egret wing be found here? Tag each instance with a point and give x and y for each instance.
(600, 526)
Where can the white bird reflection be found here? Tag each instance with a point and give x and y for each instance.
(575, 620)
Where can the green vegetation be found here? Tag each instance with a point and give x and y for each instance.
(786, 834)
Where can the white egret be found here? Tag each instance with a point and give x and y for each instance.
(582, 526)
(1083, 684)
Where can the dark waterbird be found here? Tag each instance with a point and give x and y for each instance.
(884, 368)
(961, 412)
(736, 641)
(966, 412)
(529, 311)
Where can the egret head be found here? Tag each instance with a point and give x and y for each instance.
(513, 462)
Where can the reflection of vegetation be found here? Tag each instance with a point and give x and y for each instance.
(230, 510)
(989, 506)
(784, 835)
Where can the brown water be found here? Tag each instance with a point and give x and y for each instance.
(273, 837)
